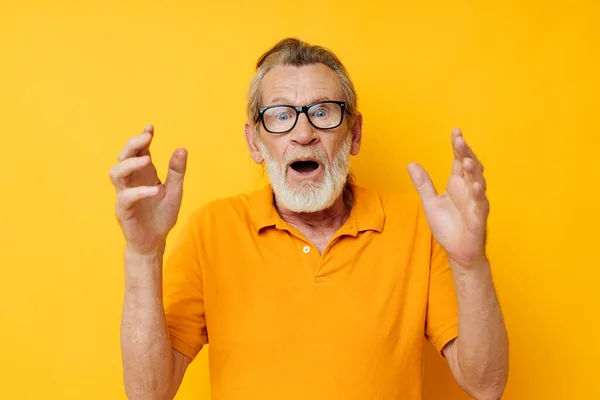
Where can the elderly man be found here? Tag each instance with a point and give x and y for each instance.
(315, 287)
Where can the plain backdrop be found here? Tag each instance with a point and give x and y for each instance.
(78, 78)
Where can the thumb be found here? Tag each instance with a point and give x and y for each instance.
(177, 166)
(422, 182)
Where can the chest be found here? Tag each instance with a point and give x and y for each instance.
(281, 289)
(317, 238)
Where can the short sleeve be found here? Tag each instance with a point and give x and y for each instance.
(183, 293)
(441, 325)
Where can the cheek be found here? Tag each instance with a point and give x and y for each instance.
(333, 144)
(275, 147)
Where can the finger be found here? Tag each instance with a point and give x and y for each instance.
(422, 182)
(458, 190)
(177, 167)
(482, 204)
(462, 150)
(137, 145)
(456, 132)
(126, 198)
(470, 166)
(473, 172)
(478, 191)
(125, 168)
(149, 128)
(457, 168)
(146, 150)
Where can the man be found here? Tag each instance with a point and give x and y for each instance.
(313, 288)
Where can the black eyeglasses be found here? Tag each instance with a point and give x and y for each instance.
(283, 118)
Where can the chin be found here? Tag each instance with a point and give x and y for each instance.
(306, 197)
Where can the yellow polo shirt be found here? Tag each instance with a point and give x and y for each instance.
(285, 322)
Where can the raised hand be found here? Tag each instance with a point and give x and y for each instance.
(146, 209)
(457, 218)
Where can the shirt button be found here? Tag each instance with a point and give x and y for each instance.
(306, 249)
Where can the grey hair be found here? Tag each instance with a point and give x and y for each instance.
(295, 52)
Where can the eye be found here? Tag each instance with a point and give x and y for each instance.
(283, 116)
(320, 113)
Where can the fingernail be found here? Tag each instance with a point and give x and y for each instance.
(152, 190)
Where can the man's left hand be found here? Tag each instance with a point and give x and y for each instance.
(457, 218)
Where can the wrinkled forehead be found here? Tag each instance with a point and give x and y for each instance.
(300, 85)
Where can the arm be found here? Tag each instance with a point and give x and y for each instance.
(478, 358)
(151, 368)
(147, 210)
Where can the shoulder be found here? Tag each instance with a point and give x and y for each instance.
(396, 201)
(402, 212)
(392, 202)
(223, 210)
(228, 220)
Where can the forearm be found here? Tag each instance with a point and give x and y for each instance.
(145, 342)
(482, 345)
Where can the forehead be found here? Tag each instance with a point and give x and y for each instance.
(300, 85)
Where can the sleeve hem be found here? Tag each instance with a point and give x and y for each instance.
(445, 337)
(184, 348)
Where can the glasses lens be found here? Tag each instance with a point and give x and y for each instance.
(279, 119)
(325, 115)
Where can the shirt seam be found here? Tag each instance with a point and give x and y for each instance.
(187, 343)
(437, 339)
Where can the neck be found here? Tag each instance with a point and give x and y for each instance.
(331, 218)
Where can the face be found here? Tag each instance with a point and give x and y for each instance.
(307, 166)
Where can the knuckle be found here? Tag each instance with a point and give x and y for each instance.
(122, 197)
(114, 174)
(128, 163)
(119, 201)
(143, 160)
(127, 148)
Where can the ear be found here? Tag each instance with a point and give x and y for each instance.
(252, 141)
(356, 134)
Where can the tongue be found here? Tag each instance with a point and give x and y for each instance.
(305, 166)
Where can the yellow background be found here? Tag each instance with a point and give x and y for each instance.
(78, 78)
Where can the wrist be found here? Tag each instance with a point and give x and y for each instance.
(154, 252)
(474, 276)
(481, 264)
(151, 256)
(143, 270)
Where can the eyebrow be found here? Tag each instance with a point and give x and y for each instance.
(283, 101)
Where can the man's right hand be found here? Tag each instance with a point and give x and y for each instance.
(146, 209)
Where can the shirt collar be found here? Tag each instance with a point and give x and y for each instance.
(262, 209)
(366, 214)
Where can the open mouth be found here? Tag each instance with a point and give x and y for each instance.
(304, 166)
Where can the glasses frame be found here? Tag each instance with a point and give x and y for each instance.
(302, 110)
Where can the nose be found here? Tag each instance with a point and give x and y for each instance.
(304, 133)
